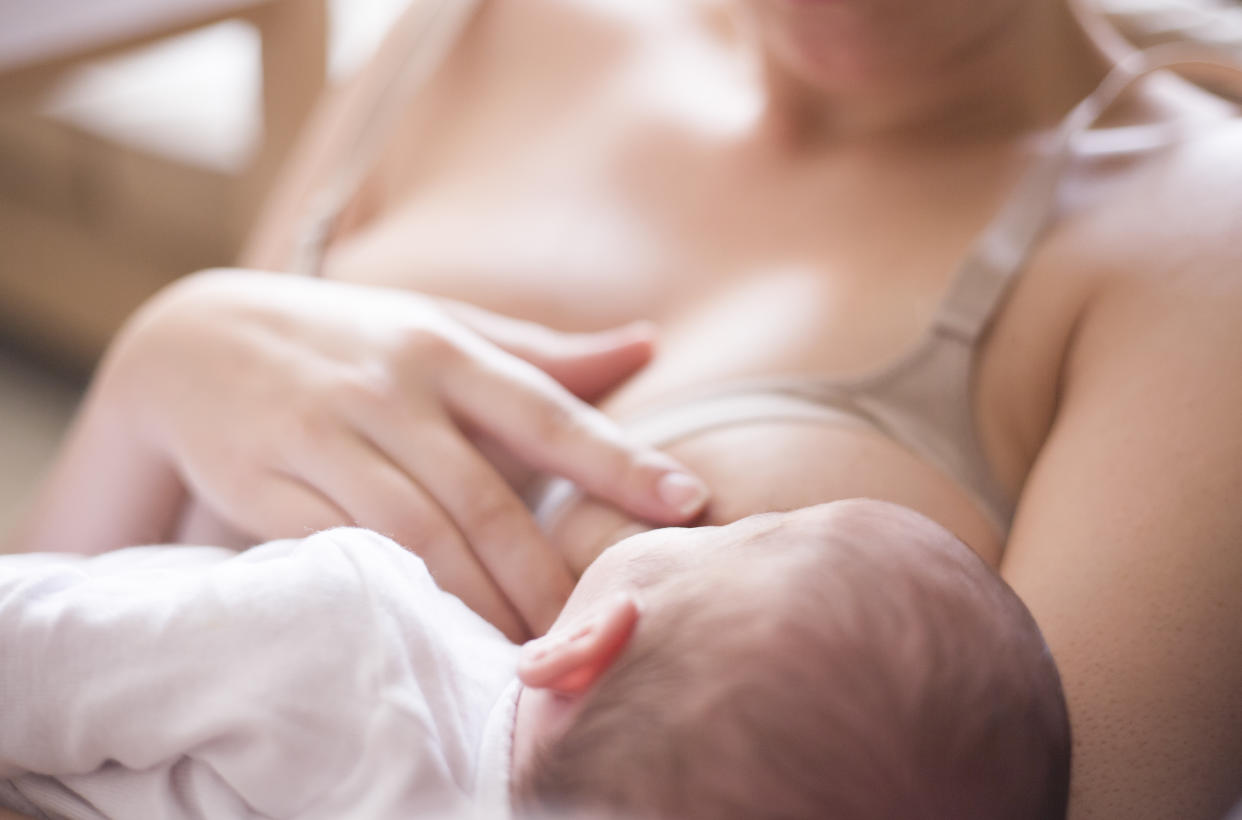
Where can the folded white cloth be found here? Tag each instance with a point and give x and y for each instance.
(323, 677)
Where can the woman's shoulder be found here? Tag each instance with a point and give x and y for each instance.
(1159, 255)
(1171, 214)
(1145, 243)
(1156, 256)
(1157, 184)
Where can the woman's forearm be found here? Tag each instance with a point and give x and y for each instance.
(108, 488)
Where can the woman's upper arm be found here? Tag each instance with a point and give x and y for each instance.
(1127, 547)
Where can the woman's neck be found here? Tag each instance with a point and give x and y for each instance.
(1021, 74)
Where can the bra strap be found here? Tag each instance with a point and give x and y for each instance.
(1001, 251)
(429, 37)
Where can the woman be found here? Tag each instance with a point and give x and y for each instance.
(786, 188)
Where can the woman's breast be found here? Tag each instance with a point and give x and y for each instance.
(779, 465)
(819, 300)
(721, 320)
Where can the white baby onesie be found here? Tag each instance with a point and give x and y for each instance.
(326, 677)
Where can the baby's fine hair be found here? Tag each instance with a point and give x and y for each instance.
(895, 676)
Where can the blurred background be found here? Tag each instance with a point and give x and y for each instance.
(138, 137)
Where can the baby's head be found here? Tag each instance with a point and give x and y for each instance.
(851, 660)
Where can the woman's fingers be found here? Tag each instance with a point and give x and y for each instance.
(278, 505)
(495, 523)
(498, 530)
(380, 496)
(589, 365)
(539, 420)
(282, 371)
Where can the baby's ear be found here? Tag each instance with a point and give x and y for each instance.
(571, 657)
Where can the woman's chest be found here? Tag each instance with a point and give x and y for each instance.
(833, 271)
(827, 269)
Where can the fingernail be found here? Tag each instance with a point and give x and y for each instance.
(683, 493)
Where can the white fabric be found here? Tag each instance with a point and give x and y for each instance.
(492, 781)
(321, 678)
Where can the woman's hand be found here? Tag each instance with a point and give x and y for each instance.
(291, 405)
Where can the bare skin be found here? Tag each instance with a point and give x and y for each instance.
(648, 570)
(823, 248)
(775, 213)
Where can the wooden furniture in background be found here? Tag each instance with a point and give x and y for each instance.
(90, 225)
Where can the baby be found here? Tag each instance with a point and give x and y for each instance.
(850, 660)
